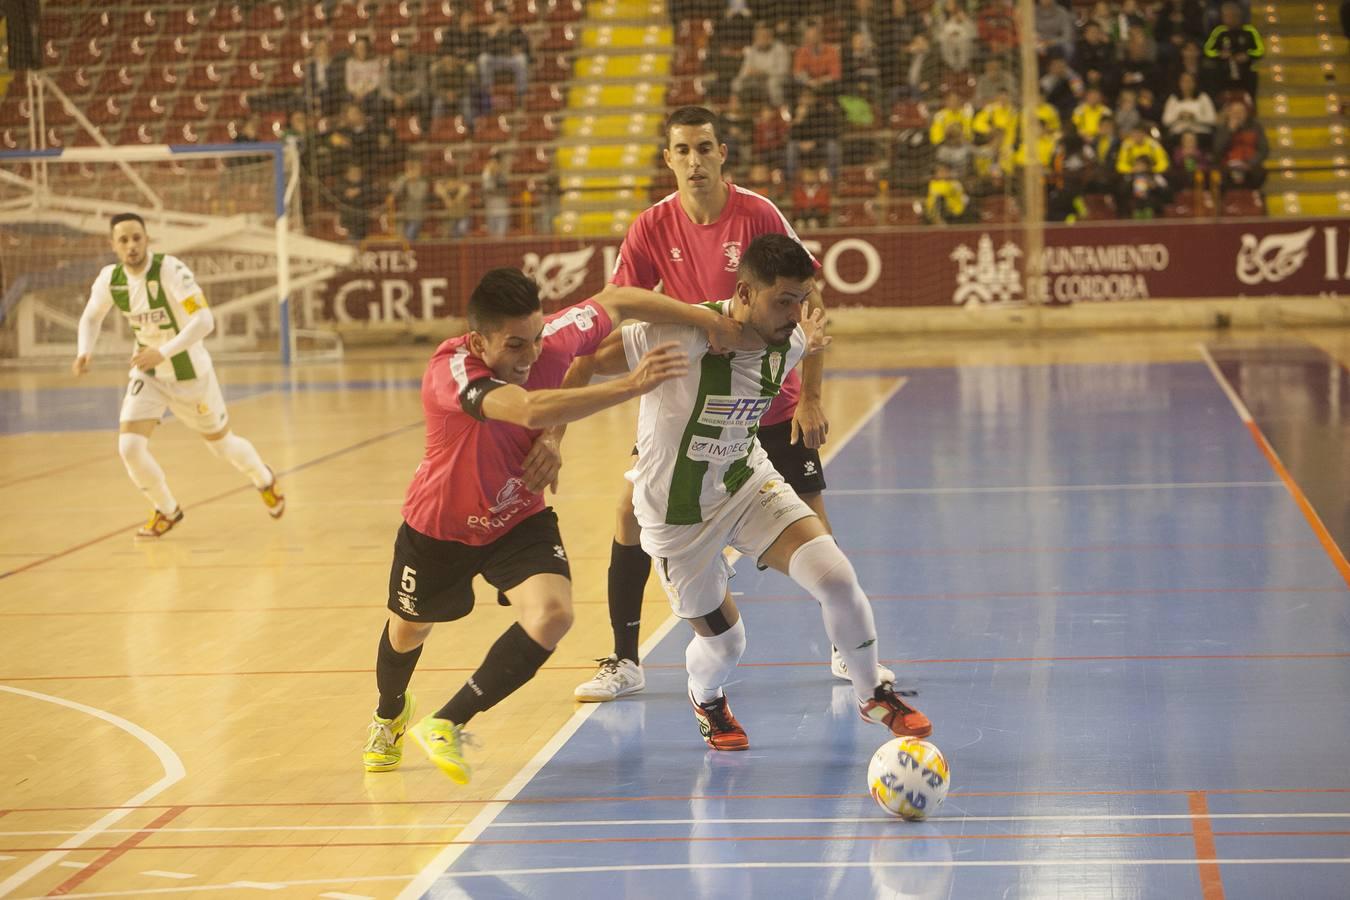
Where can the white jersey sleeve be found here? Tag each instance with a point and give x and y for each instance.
(91, 320)
(640, 337)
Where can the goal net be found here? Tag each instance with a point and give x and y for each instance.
(231, 212)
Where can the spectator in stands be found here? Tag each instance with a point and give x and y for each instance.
(452, 88)
(404, 86)
(856, 103)
(923, 71)
(1105, 19)
(811, 200)
(1139, 144)
(1235, 47)
(957, 154)
(1241, 148)
(896, 25)
(814, 135)
(324, 79)
(1061, 86)
(737, 128)
(1191, 163)
(771, 137)
(732, 33)
(1178, 22)
(1126, 21)
(249, 133)
(947, 201)
(1148, 190)
(496, 190)
(816, 64)
(767, 63)
(1054, 29)
(1087, 116)
(463, 41)
(1149, 110)
(1106, 150)
(354, 142)
(1047, 141)
(995, 79)
(1095, 59)
(546, 196)
(860, 61)
(356, 199)
(760, 179)
(1127, 111)
(954, 111)
(1191, 61)
(363, 75)
(409, 193)
(999, 115)
(1068, 179)
(1188, 111)
(505, 47)
(454, 194)
(956, 38)
(1138, 67)
(996, 23)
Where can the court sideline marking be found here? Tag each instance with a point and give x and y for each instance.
(441, 863)
(1314, 520)
(173, 773)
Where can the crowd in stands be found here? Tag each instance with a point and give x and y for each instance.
(1141, 105)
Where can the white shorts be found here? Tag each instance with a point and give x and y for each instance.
(197, 402)
(696, 578)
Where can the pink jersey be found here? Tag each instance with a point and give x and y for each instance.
(695, 263)
(470, 485)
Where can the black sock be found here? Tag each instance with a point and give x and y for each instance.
(509, 663)
(628, 571)
(393, 671)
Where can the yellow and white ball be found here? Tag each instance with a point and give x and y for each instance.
(908, 778)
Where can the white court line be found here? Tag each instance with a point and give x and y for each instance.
(629, 823)
(1243, 413)
(73, 865)
(160, 873)
(446, 858)
(173, 773)
(1062, 488)
(338, 895)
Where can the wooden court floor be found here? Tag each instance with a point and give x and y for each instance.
(187, 714)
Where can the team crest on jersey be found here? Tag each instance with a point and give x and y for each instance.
(152, 288)
(722, 411)
(677, 254)
(733, 251)
(776, 365)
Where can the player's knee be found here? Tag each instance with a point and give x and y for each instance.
(553, 618)
(405, 636)
(131, 447)
(822, 568)
(216, 443)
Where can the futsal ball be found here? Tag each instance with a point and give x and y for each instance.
(908, 778)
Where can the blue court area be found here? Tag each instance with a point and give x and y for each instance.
(1133, 648)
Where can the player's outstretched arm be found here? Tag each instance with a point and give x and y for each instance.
(91, 320)
(724, 333)
(542, 409)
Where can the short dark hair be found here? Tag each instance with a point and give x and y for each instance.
(125, 217)
(502, 294)
(773, 256)
(695, 116)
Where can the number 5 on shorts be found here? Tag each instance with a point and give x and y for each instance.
(409, 580)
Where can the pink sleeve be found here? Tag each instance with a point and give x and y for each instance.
(449, 376)
(634, 267)
(578, 330)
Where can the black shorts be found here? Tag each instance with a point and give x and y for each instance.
(799, 465)
(432, 581)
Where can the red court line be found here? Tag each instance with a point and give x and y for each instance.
(239, 490)
(1083, 548)
(112, 853)
(1202, 829)
(1022, 595)
(45, 473)
(1314, 520)
(118, 850)
(811, 663)
(684, 798)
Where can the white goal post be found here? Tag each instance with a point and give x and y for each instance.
(230, 211)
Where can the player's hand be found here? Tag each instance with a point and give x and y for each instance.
(809, 424)
(146, 359)
(662, 363)
(725, 334)
(542, 464)
(814, 327)
(79, 366)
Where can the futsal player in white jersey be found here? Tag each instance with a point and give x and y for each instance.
(170, 369)
(702, 482)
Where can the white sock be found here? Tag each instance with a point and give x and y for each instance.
(822, 569)
(240, 454)
(145, 472)
(711, 660)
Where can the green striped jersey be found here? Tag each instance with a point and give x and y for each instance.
(696, 434)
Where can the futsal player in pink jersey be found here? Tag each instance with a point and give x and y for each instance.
(690, 244)
(475, 505)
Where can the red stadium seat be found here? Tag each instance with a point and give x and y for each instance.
(394, 16)
(259, 46)
(1098, 207)
(408, 129)
(544, 98)
(856, 215)
(858, 182)
(1243, 202)
(215, 47)
(998, 208)
(532, 162)
(539, 128)
(205, 78)
(686, 92)
(564, 11)
(491, 129)
(560, 38)
(448, 130)
(190, 108)
(139, 23)
(267, 17)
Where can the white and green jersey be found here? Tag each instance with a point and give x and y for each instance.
(696, 434)
(157, 304)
